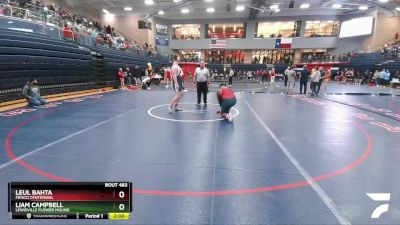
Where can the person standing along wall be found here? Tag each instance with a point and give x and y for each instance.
(304, 80)
(168, 77)
(286, 76)
(315, 78)
(291, 79)
(121, 76)
(321, 70)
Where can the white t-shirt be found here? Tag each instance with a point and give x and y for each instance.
(201, 74)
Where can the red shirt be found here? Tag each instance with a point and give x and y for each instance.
(226, 55)
(68, 33)
(227, 93)
(121, 74)
(241, 56)
(234, 55)
(168, 74)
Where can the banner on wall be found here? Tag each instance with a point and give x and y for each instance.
(161, 29)
(161, 41)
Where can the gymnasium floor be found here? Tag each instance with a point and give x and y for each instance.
(283, 160)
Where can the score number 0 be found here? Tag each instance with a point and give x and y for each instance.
(121, 206)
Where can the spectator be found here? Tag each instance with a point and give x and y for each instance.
(315, 78)
(137, 76)
(121, 76)
(321, 70)
(128, 76)
(286, 76)
(108, 30)
(272, 75)
(2, 10)
(304, 80)
(167, 77)
(31, 92)
(146, 82)
(291, 79)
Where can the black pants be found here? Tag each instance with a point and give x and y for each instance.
(286, 80)
(314, 86)
(230, 80)
(128, 80)
(202, 87)
(303, 84)
(319, 85)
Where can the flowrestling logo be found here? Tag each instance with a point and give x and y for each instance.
(379, 197)
(359, 115)
(17, 112)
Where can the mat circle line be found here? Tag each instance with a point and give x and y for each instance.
(188, 121)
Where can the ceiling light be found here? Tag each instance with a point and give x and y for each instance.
(304, 6)
(176, 1)
(240, 8)
(106, 11)
(383, 1)
(337, 6)
(398, 8)
(148, 2)
(210, 10)
(160, 12)
(363, 7)
(128, 8)
(208, 0)
(184, 10)
(273, 7)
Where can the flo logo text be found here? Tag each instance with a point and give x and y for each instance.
(383, 198)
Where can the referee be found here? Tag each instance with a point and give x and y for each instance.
(202, 79)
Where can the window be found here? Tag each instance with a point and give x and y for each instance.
(224, 56)
(319, 28)
(278, 29)
(272, 56)
(186, 31)
(189, 55)
(222, 31)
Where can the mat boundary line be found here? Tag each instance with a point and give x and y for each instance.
(319, 191)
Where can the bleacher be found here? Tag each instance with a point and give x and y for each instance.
(114, 59)
(59, 66)
(248, 67)
(218, 67)
(371, 61)
(363, 61)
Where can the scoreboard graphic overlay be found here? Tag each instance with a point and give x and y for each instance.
(71, 200)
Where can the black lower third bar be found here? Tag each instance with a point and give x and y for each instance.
(87, 216)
